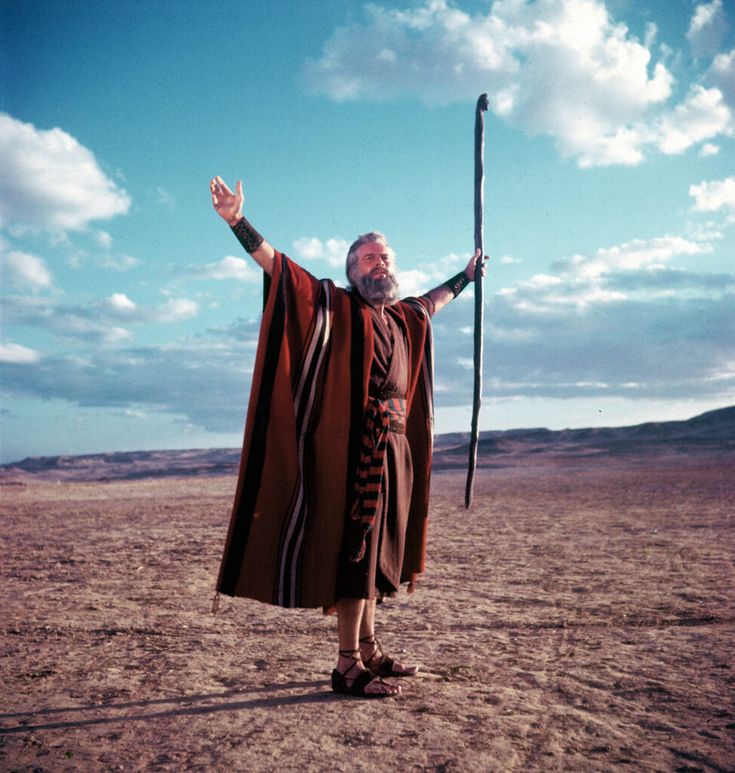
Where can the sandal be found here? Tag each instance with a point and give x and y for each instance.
(380, 664)
(361, 681)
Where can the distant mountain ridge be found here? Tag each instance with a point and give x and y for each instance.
(708, 434)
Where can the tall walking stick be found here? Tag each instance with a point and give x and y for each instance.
(482, 106)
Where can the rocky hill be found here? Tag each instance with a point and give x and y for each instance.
(710, 434)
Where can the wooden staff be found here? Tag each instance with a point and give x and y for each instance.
(482, 106)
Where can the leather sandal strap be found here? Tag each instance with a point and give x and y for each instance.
(377, 651)
(355, 660)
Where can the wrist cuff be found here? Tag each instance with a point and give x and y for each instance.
(247, 235)
(457, 283)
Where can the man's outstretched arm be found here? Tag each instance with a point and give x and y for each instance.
(228, 206)
(440, 296)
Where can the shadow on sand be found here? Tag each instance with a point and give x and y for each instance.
(210, 703)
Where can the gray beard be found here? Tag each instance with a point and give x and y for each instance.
(381, 290)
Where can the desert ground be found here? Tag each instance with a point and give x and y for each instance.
(580, 617)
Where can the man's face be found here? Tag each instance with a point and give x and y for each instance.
(374, 260)
(373, 273)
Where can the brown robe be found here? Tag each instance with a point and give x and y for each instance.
(316, 356)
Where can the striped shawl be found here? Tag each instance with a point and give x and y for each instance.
(300, 455)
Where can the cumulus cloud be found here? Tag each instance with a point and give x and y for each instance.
(418, 280)
(332, 251)
(605, 323)
(102, 321)
(598, 349)
(230, 267)
(707, 28)
(120, 263)
(703, 114)
(601, 324)
(632, 255)
(611, 275)
(563, 68)
(120, 304)
(714, 195)
(24, 270)
(722, 75)
(177, 309)
(167, 379)
(49, 180)
(18, 355)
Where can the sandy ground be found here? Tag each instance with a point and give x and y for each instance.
(578, 618)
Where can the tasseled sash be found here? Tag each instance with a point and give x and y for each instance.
(385, 413)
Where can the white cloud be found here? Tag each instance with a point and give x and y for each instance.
(97, 321)
(88, 323)
(23, 269)
(49, 180)
(119, 307)
(414, 282)
(564, 68)
(702, 115)
(121, 263)
(417, 281)
(120, 304)
(18, 354)
(722, 75)
(103, 239)
(309, 247)
(632, 256)
(708, 149)
(633, 271)
(151, 379)
(88, 329)
(230, 267)
(707, 28)
(714, 195)
(110, 335)
(332, 251)
(177, 309)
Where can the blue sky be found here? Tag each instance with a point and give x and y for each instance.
(130, 314)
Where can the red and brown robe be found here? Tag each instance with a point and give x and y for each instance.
(320, 355)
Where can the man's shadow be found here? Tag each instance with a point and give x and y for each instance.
(210, 703)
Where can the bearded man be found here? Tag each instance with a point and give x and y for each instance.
(332, 496)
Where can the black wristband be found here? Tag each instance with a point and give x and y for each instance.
(457, 283)
(247, 235)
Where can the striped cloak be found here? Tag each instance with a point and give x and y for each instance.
(302, 436)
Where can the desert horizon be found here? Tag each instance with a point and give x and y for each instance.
(709, 433)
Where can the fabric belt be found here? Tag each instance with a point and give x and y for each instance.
(386, 412)
(393, 406)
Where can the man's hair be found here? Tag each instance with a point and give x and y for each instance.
(372, 236)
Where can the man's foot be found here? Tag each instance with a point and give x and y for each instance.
(352, 678)
(380, 664)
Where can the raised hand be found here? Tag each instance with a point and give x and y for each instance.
(227, 204)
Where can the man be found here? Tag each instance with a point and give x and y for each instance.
(332, 494)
